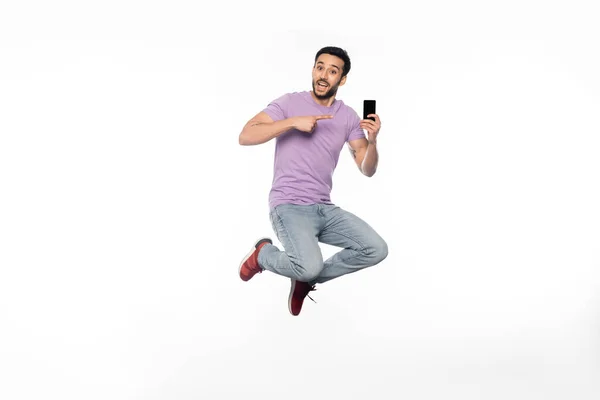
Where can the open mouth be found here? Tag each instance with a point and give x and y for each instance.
(322, 85)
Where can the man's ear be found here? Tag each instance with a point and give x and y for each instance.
(343, 80)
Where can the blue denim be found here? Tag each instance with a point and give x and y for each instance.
(300, 228)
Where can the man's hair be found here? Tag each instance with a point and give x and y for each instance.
(336, 51)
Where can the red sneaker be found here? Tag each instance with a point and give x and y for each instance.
(249, 265)
(298, 292)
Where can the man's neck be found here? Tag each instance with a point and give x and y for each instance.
(323, 102)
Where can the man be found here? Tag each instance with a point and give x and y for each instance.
(310, 129)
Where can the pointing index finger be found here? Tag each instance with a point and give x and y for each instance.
(324, 117)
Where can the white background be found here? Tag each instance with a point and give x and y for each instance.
(127, 202)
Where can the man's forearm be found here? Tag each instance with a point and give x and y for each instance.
(369, 164)
(259, 133)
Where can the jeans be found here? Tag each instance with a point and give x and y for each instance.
(300, 228)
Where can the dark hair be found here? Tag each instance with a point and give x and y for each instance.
(336, 51)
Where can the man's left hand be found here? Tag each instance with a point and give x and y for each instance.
(372, 127)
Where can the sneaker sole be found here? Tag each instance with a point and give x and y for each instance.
(259, 241)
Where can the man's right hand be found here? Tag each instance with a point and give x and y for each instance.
(309, 122)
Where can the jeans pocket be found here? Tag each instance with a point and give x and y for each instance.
(272, 217)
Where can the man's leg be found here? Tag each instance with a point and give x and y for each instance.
(362, 245)
(297, 227)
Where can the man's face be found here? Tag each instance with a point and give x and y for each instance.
(327, 76)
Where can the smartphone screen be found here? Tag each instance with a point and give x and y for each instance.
(369, 108)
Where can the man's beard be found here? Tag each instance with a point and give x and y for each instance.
(331, 92)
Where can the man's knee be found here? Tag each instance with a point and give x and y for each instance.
(378, 250)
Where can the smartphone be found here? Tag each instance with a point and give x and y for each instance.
(369, 108)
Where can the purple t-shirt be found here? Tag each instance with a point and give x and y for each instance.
(304, 162)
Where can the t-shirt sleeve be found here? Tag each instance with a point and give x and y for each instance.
(356, 131)
(278, 108)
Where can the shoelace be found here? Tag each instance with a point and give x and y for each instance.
(312, 289)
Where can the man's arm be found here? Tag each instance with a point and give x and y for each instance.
(261, 128)
(364, 150)
(365, 155)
